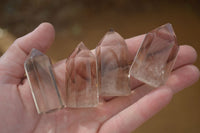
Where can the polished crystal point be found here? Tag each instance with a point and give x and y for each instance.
(112, 62)
(155, 59)
(81, 79)
(43, 85)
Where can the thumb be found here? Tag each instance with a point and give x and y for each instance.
(12, 62)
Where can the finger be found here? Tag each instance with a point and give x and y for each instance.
(183, 77)
(134, 44)
(11, 63)
(132, 117)
(186, 55)
(117, 104)
(178, 80)
(60, 69)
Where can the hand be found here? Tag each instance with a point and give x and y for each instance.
(118, 115)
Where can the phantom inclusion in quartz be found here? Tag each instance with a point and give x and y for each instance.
(155, 59)
(43, 85)
(81, 79)
(112, 63)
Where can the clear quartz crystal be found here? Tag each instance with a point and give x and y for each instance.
(113, 69)
(43, 85)
(81, 79)
(156, 56)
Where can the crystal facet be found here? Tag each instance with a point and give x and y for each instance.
(81, 81)
(112, 62)
(155, 58)
(43, 85)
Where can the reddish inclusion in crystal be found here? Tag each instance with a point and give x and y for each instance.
(112, 62)
(81, 86)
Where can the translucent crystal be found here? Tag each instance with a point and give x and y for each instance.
(81, 81)
(43, 85)
(156, 56)
(112, 61)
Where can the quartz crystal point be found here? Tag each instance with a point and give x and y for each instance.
(42, 82)
(155, 59)
(113, 69)
(81, 79)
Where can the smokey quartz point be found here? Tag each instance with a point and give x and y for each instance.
(43, 85)
(81, 79)
(113, 69)
(156, 56)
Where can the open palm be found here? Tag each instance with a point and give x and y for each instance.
(117, 115)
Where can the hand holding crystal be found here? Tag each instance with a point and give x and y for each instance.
(120, 114)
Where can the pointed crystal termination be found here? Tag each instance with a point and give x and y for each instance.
(81, 79)
(112, 61)
(156, 56)
(43, 85)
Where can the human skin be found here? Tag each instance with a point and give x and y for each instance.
(117, 115)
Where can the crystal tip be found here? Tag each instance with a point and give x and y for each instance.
(111, 30)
